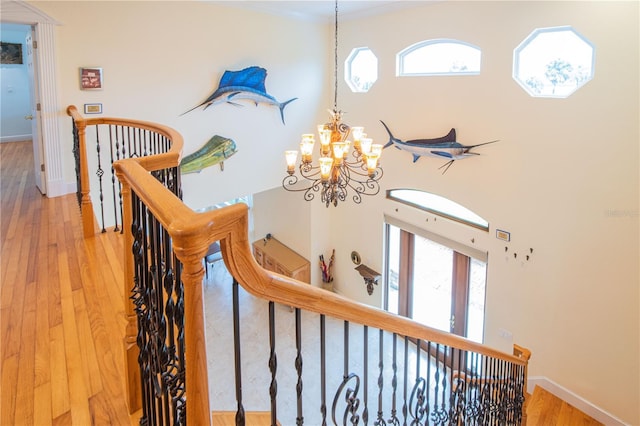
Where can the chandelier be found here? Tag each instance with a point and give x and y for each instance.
(344, 164)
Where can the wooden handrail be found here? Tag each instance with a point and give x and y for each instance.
(152, 162)
(194, 232)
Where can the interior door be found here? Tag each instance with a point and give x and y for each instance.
(38, 146)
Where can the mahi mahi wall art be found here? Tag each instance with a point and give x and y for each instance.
(246, 84)
(215, 151)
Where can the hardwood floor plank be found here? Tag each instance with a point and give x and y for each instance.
(26, 360)
(63, 419)
(43, 338)
(8, 389)
(59, 382)
(13, 321)
(78, 397)
(42, 406)
(88, 355)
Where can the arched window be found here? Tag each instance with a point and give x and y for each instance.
(438, 205)
(439, 57)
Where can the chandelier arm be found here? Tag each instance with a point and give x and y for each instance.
(367, 187)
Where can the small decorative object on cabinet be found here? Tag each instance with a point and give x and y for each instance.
(274, 256)
(370, 276)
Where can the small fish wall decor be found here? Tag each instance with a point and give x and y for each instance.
(246, 84)
(443, 147)
(215, 151)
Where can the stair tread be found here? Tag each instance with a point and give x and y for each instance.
(545, 408)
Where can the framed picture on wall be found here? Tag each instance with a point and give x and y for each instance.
(10, 53)
(91, 78)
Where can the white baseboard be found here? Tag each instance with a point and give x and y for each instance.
(58, 188)
(575, 400)
(15, 138)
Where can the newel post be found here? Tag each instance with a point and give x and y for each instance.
(196, 380)
(524, 354)
(131, 350)
(86, 207)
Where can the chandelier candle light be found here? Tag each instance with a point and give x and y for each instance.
(336, 171)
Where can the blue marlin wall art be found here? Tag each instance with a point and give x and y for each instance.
(214, 151)
(443, 147)
(246, 84)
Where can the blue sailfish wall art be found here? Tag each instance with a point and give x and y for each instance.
(246, 84)
(443, 147)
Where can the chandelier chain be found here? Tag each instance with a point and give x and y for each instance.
(335, 63)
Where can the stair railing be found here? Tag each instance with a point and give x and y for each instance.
(158, 148)
(365, 364)
(97, 143)
(461, 382)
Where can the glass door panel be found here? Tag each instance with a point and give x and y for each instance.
(477, 290)
(393, 268)
(432, 284)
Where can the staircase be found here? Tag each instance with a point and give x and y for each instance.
(329, 361)
(544, 409)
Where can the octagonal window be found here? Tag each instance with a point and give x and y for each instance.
(361, 69)
(553, 62)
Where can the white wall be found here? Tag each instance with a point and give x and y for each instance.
(563, 179)
(15, 102)
(161, 60)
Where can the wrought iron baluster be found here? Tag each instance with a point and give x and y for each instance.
(180, 396)
(100, 173)
(393, 420)
(323, 370)
(434, 414)
(273, 363)
(113, 180)
(405, 409)
(365, 374)
(380, 419)
(351, 399)
(76, 157)
(144, 140)
(428, 402)
(240, 415)
(442, 410)
(298, 364)
(420, 388)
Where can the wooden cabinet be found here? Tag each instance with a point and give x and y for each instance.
(274, 256)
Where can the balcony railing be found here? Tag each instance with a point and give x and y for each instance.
(330, 361)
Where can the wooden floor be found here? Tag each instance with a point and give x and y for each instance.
(61, 315)
(547, 409)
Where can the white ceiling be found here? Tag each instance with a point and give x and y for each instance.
(323, 10)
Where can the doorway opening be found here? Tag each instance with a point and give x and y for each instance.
(19, 113)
